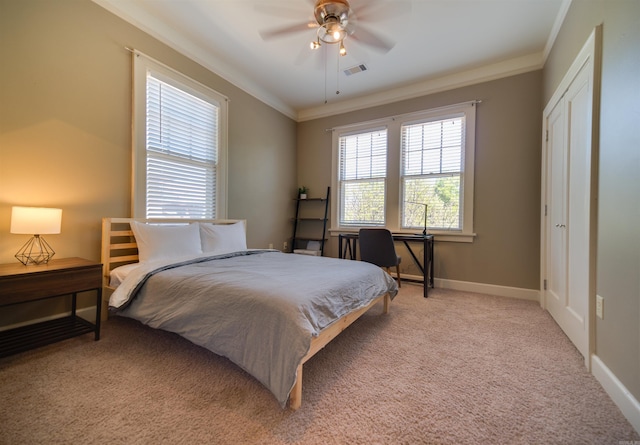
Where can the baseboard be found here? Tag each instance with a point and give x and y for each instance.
(620, 395)
(491, 289)
(88, 313)
(481, 288)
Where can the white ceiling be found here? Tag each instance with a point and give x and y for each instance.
(437, 44)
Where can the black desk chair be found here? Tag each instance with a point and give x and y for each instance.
(377, 247)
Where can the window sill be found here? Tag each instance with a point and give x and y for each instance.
(453, 237)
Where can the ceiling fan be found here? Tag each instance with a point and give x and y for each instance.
(335, 20)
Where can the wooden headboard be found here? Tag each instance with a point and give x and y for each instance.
(119, 245)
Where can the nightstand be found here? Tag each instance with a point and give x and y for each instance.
(59, 277)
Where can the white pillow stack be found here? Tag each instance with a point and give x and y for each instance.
(161, 242)
(223, 238)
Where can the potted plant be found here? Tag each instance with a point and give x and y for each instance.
(302, 192)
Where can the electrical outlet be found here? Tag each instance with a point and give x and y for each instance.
(600, 307)
(270, 245)
(285, 246)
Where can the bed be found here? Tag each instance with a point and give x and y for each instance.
(268, 312)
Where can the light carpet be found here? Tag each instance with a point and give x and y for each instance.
(456, 368)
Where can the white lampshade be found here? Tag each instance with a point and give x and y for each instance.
(35, 220)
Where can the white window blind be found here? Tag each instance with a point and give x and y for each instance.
(385, 171)
(362, 178)
(182, 153)
(179, 145)
(432, 172)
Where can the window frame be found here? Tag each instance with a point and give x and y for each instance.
(394, 192)
(382, 179)
(142, 65)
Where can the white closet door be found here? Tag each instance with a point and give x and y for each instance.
(568, 197)
(569, 190)
(556, 281)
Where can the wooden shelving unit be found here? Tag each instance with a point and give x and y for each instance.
(310, 223)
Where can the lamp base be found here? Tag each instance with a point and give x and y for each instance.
(35, 251)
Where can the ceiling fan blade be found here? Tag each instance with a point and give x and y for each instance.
(283, 31)
(372, 11)
(379, 43)
(282, 12)
(306, 55)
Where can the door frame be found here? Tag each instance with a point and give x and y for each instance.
(590, 53)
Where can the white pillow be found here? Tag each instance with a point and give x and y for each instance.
(223, 238)
(120, 273)
(157, 241)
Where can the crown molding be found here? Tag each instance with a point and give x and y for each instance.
(557, 24)
(425, 87)
(202, 57)
(486, 73)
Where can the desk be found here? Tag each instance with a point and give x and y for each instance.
(351, 243)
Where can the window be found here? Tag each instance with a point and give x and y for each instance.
(432, 173)
(179, 145)
(392, 171)
(363, 170)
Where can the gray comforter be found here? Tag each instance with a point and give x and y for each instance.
(258, 308)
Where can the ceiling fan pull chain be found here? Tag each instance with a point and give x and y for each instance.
(338, 74)
(325, 75)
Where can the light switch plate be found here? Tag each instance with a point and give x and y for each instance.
(599, 307)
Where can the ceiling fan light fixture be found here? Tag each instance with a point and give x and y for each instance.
(326, 10)
(343, 50)
(331, 32)
(315, 44)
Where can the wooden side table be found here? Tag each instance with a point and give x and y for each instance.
(66, 276)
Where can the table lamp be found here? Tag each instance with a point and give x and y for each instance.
(35, 221)
(424, 232)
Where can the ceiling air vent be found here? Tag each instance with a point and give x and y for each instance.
(355, 69)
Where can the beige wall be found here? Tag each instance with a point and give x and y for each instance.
(506, 251)
(618, 256)
(65, 119)
(65, 141)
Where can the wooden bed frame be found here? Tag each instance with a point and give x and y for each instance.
(119, 248)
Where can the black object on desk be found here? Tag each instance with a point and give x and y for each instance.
(348, 243)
